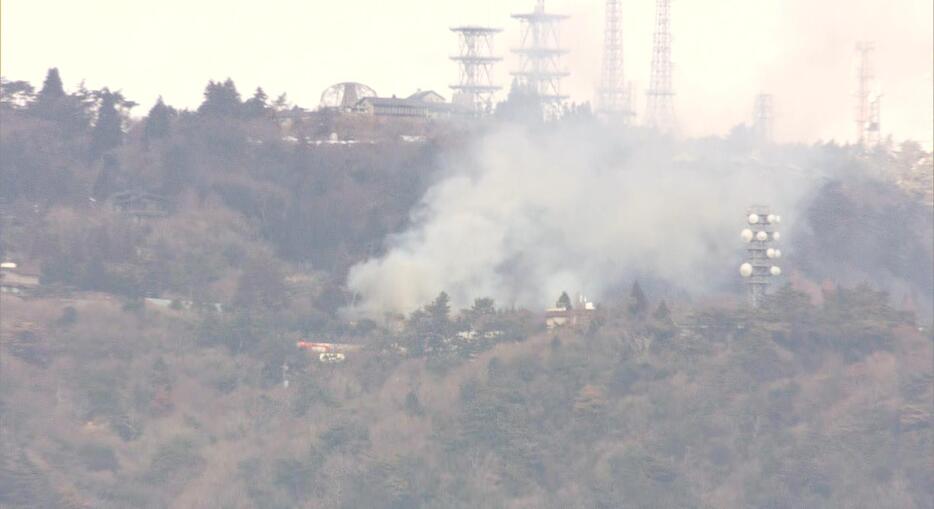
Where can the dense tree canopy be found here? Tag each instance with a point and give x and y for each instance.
(156, 364)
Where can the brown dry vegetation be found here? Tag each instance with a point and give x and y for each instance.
(572, 419)
(107, 400)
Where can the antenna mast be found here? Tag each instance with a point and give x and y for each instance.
(764, 118)
(760, 237)
(867, 103)
(614, 97)
(540, 52)
(660, 112)
(475, 88)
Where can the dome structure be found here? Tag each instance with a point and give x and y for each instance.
(345, 95)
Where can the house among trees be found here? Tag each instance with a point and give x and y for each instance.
(140, 204)
(425, 104)
(17, 282)
(564, 314)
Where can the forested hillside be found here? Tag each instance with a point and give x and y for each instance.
(182, 255)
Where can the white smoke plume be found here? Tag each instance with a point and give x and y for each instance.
(526, 215)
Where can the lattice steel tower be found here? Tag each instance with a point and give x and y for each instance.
(764, 118)
(659, 112)
(867, 103)
(475, 88)
(761, 254)
(614, 97)
(540, 53)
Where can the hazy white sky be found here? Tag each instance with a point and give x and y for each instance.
(724, 52)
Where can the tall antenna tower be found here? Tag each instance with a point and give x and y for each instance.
(874, 129)
(660, 112)
(540, 52)
(614, 97)
(867, 103)
(764, 118)
(475, 58)
(759, 268)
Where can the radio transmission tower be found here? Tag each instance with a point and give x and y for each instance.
(760, 237)
(475, 58)
(874, 129)
(659, 111)
(764, 118)
(540, 52)
(867, 103)
(614, 97)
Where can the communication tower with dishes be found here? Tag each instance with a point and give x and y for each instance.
(761, 254)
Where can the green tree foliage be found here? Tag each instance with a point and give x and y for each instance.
(158, 122)
(521, 106)
(281, 103)
(662, 313)
(637, 304)
(108, 180)
(429, 327)
(52, 89)
(564, 301)
(107, 133)
(16, 95)
(221, 100)
(70, 112)
(261, 286)
(789, 405)
(484, 306)
(439, 311)
(258, 105)
(860, 320)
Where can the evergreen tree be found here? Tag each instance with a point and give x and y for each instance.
(439, 311)
(564, 302)
(108, 131)
(281, 103)
(482, 307)
(258, 105)
(106, 182)
(16, 94)
(52, 88)
(158, 122)
(221, 100)
(52, 103)
(522, 105)
(662, 313)
(638, 304)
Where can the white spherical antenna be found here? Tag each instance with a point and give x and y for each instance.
(778, 219)
(745, 270)
(776, 271)
(776, 236)
(770, 253)
(746, 235)
(770, 218)
(753, 218)
(762, 236)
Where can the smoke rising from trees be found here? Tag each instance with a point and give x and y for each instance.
(526, 214)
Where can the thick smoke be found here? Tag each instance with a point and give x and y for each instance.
(527, 214)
